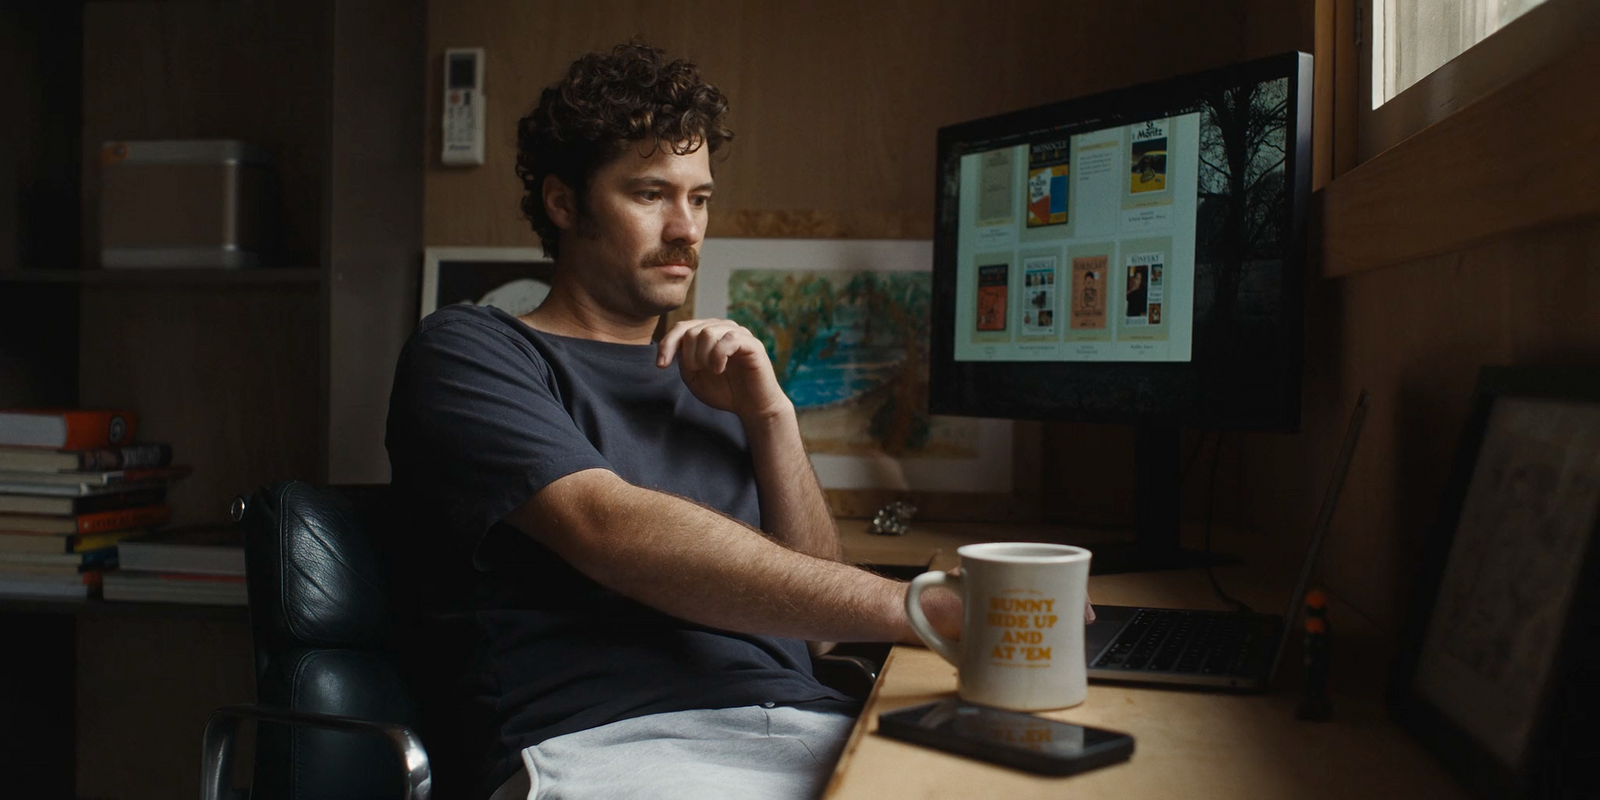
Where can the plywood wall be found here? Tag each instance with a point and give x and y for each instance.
(1415, 335)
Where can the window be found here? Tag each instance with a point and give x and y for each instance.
(1412, 38)
(1419, 61)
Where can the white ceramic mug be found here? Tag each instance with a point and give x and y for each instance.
(1021, 642)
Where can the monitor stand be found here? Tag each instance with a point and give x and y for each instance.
(1156, 500)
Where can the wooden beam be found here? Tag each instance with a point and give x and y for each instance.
(1322, 115)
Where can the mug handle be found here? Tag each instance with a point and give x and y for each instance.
(919, 621)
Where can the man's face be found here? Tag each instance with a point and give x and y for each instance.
(638, 247)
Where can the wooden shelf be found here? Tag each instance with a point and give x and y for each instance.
(166, 277)
(30, 605)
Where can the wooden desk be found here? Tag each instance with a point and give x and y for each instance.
(939, 540)
(1189, 744)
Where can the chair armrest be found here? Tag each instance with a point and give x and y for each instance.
(222, 727)
(852, 675)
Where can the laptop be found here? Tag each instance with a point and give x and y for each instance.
(1219, 649)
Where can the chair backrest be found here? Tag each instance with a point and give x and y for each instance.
(321, 620)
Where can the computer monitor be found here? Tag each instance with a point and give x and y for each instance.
(1134, 256)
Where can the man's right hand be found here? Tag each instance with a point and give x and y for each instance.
(943, 609)
(726, 367)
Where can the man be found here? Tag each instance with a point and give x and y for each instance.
(624, 547)
(1136, 293)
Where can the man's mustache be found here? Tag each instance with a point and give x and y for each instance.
(673, 255)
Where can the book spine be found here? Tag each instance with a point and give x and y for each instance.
(107, 521)
(140, 474)
(66, 430)
(137, 456)
(80, 543)
(115, 500)
(103, 558)
(89, 559)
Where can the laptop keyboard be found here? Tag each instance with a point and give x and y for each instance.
(1160, 640)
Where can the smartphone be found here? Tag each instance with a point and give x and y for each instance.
(1011, 738)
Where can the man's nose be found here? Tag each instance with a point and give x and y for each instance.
(682, 224)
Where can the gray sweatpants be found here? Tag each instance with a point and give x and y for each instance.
(749, 752)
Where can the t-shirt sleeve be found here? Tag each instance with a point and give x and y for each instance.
(476, 427)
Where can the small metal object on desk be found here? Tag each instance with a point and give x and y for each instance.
(893, 519)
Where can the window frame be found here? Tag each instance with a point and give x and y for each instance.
(1530, 41)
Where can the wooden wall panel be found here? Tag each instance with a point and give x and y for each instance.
(227, 375)
(374, 231)
(1415, 335)
(41, 65)
(835, 104)
(145, 688)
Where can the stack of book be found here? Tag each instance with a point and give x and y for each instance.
(72, 485)
(199, 564)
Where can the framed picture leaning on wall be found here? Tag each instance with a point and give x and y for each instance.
(513, 279)
(1497, 674)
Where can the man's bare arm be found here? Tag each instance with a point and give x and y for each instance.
(698, 565)
(793, 508)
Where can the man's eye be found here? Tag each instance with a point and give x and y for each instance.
(650, 194)
(700, 201)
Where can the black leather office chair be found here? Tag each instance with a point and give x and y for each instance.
(336, 717)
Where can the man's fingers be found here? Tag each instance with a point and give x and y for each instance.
(729, 344)
(669, 343)
(691, 348)
(705, 345)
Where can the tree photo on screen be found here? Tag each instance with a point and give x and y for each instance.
(1242, 233)
(1240, 226)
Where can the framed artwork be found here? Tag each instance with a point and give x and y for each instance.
(1492, 678)
(513, 279)
(846, 323)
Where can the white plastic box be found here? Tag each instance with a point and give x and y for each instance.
(186, 203)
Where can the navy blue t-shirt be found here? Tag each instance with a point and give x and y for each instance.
(484, 413)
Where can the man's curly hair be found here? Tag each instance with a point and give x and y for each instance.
(606, 103)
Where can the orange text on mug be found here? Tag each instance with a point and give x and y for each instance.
(1022, 622)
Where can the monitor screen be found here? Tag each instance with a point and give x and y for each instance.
(1136, 255)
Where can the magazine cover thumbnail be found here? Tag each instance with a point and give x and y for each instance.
(995, 194)
(1148, 158)
(1089, 279)
(1138, 295)
(1152, 265)
(1048, 164)
(1039, 296)
(992, 280)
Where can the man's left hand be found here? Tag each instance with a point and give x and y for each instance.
(725, 366)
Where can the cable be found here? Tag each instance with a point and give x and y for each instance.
(1210, 503)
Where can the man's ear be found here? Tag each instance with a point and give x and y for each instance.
(560, 203)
